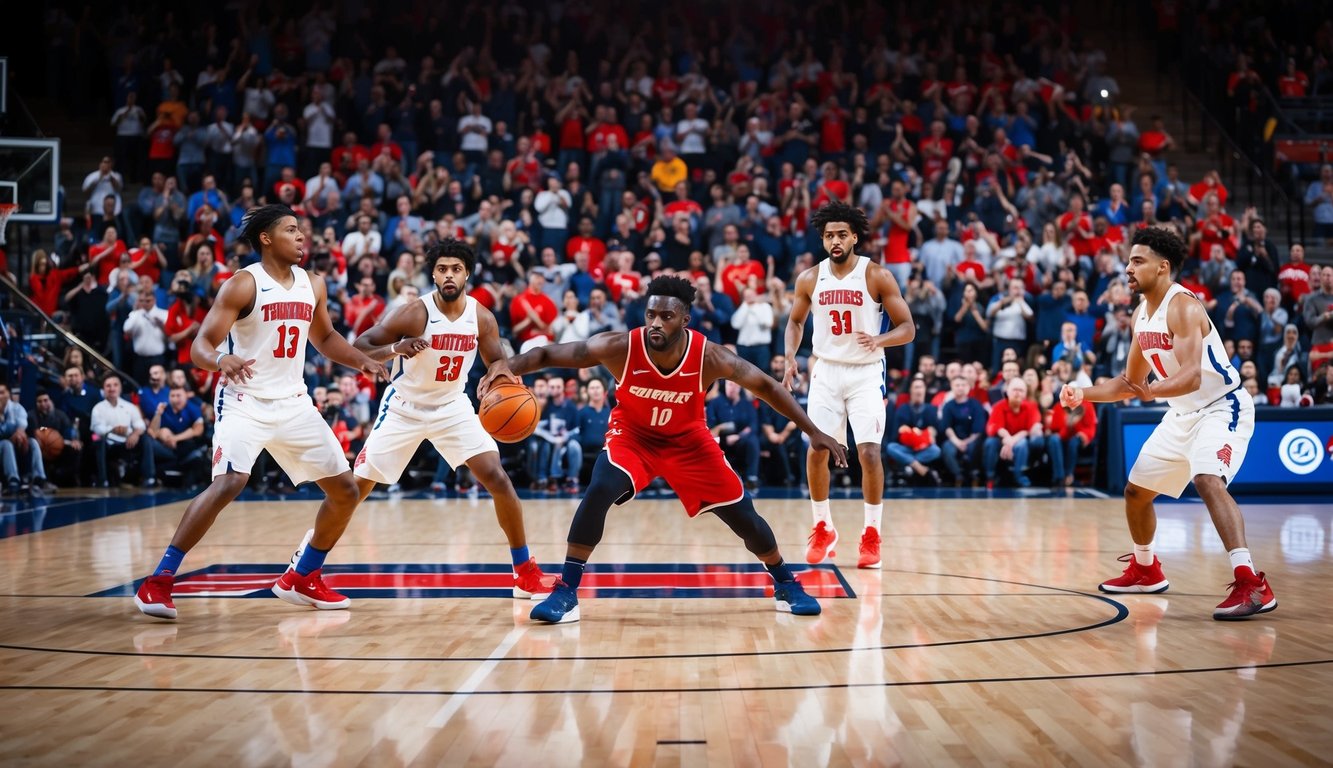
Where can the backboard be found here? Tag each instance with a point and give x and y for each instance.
(30, 176)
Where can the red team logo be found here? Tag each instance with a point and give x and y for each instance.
(1225, 454)
(360, 458)
(217, 456)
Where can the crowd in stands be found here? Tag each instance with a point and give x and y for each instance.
(586, 147)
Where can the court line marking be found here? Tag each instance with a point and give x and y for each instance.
(445, 713)
(728, 689)
(1121, 614)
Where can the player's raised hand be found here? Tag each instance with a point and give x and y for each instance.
(792, 375)
(236, 369)
(409, 348)
(1071, 396)
(822, 442)
(498, 373)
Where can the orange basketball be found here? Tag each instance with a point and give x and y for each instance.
(51, 442)
(509, 412)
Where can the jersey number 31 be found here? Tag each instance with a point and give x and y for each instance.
(842, 321)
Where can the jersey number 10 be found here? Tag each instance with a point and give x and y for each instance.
(842, 321)
(288, 338)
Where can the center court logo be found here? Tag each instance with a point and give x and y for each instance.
(1300, 451)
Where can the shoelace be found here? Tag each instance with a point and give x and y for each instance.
(821, 532)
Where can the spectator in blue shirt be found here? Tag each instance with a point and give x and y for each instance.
(781, 437)
(1237, 312)
(593, 418)
(915, 414)
(559, 453)
(280, 144)
(155, 393)
(963, 423)
(175, 432)
(1079, 315)
(16, 444)
(735, 422)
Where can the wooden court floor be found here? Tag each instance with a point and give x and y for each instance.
(983, 641)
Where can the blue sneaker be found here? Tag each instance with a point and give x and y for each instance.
(791, 598)
(562, 606)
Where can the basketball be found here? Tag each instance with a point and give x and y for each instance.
(51, 442)
(509, 412)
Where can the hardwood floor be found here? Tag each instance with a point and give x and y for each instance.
(982, 641)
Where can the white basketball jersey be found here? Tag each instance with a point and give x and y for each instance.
(842, 308)
(436, 376)
(274, 335)
(1218, 377)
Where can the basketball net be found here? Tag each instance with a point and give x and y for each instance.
(6, 210)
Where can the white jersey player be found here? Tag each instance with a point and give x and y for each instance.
(256, 334)
(435, 341)
(1202, 438)
(849, 296)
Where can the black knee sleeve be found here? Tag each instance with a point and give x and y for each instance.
(608, 486)
(746, 523)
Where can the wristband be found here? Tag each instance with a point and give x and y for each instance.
(393, 348)
(217, 363)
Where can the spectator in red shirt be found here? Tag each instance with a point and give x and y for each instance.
(347, 156)
(900, 215)
(1214, 227)
(623, 283)
(362, 310)
(1293, 84)
(532, 312)
(105, 254)
(1076, 228)
(1012, 424)
(739, 273)
(936, 151)
(184, 317)
(45, 281)
(588, 243)
(1212, 182)
(1066, 437)
(1293, 279)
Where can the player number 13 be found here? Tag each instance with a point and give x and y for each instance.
(288, 338)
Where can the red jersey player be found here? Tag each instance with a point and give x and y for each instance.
(658, 428)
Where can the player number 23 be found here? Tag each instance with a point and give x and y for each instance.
(450, 368)
(288, 338)
(842, 321)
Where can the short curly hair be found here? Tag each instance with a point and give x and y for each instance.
(454, 249)
(1163, 242)
(262, 219)
(842, 212)
(675, 287)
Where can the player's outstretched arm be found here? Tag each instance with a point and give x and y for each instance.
(608, 349)
(236, 297)
(722, 363)
(903, 328)
(805, 285)
(331, 344)
(1187, 322)
(397, 334)
(1133, 382)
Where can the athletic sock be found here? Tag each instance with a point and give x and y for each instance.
(821, 512)
(1143, 554)
(873, 514)
(171, 562)
(312, 559)
(573, 572)
(1241, 557)
(781, 573)
(520, 555)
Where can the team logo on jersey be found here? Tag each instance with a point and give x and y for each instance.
(454, 342)
(661, 395)
(840, 296)
(288, 310)
(1224, 453)
(217, 456)
(360, 458)
(1154, 340)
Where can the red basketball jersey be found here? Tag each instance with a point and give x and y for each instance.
(655, 406)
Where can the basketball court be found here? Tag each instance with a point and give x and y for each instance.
(982, 641)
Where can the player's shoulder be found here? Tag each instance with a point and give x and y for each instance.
(806, 278)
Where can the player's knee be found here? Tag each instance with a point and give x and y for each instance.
(1209, 484)
(342, 489)
(1136, 495)
(868, 453)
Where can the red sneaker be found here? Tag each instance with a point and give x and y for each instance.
(869, 549)
(309, 590)
(1137, 578)
(1250, 594)
(822, 539)
(530, 582)
(154, 596)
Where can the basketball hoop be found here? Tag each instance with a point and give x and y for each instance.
(6, 210)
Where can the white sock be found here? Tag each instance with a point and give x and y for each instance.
(873, 514)
(1143, 554)
(1241, 557)
(822, 513)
